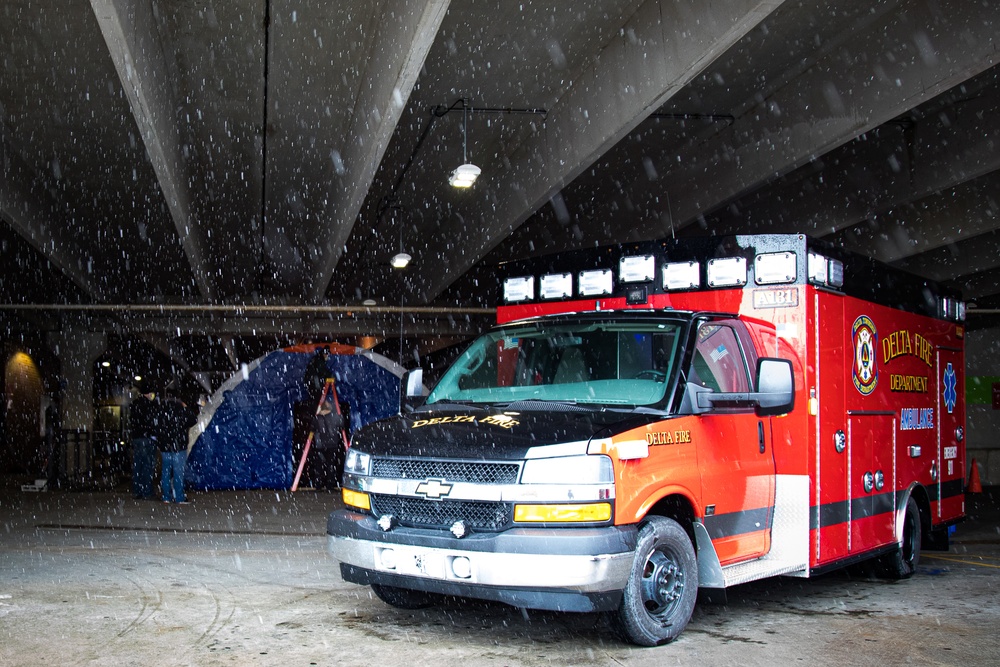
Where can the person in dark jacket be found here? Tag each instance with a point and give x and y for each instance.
(175, 419)
(328, 442)
(143, 412)
(316, 374)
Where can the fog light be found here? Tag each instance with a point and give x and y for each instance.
(386, 522)
(388, 559)
(461, 567)
(459, 529)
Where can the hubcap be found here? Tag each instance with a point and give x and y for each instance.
(662, 584)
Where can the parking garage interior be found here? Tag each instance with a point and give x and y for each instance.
(188, 186)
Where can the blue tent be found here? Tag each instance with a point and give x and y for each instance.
(243, 439)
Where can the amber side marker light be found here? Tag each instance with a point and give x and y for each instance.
(356, 499)
(562, 513)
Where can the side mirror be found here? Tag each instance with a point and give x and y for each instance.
(411, 390)
(775, 393)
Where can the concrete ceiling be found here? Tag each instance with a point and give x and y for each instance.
(269, 156)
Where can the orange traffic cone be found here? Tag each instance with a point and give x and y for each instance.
(975, 486)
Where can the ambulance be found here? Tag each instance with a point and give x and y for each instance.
(656, 419)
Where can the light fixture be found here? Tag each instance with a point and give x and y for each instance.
(465, 175)
(402, 258)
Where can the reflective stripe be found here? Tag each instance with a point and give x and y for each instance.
(831, 514)
(738, 523)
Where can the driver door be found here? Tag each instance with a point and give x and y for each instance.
(734, 446)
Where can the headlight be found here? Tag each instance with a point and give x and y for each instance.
(358, 463)
(589, 469)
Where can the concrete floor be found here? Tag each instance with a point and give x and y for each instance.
(242, 578)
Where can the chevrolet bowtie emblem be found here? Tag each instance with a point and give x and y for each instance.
(434, 488)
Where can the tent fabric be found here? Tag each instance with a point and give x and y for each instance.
(243, 438)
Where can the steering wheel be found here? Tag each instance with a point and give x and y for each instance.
(650, 374)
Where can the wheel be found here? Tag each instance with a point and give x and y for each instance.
(662, 588)
(403, 598)
(902, 563)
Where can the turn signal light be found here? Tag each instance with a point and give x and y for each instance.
(356, 499)
(562, 513)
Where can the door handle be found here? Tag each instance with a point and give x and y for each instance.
(760, 436)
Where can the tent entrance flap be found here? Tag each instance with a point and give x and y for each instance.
(245, 434)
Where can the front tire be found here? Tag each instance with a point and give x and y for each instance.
(902, 563)
(662, 588)
(403, 598)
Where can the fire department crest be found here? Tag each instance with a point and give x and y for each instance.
(864, 371)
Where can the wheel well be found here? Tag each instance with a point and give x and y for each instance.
(679, 509)
(919, 494)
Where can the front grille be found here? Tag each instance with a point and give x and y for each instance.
(476, 472)
(420, 513)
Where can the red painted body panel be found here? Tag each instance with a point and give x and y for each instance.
(889, 381)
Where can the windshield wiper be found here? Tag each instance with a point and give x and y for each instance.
(547, 404)
(449, 404)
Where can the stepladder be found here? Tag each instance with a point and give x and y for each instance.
(327, 396)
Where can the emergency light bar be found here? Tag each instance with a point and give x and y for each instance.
(641, 269)
(952, 309)
(774, 268)
(727, 272)
(644, 274)
(681, 275)
(517, 289)
(556, 286)
(825, 271)
(596, 283)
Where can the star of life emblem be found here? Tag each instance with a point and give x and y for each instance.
(950, 382)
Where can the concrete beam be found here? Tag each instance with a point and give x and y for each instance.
(129, 29)
(929, 47)
(870, 183)
(982, 285)
(26, 205)
(405, 35)
(959, 214)
(661, 48)
(957, 261)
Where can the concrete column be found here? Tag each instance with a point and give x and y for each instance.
(982, 364)
(77, 351)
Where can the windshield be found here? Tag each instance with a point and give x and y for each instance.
(620, 363)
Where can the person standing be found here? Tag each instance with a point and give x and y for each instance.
(172, 440)
(328, 440)
(143, 414)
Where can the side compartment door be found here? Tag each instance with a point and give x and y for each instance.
(734, 447)
(950, 460)
(871, 479)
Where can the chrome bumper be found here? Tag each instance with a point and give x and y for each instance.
(578, 569)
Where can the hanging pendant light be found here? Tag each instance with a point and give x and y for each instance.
(400, 260)
(466, 174)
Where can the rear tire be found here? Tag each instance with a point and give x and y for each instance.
(902, 563)
(662, 588)
(404, 598)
